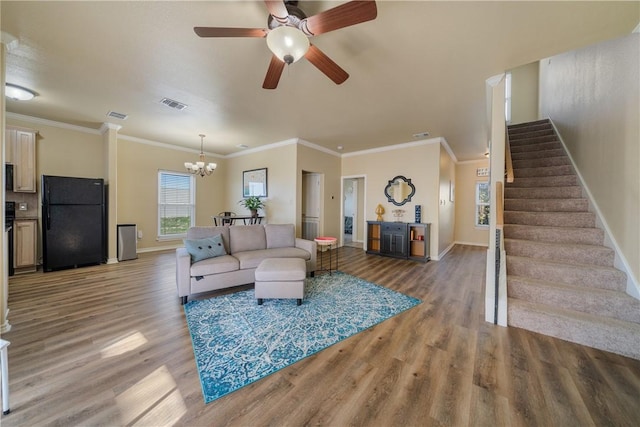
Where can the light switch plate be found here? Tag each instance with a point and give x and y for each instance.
(22, 206)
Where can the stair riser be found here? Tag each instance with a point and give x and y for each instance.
(543, 171)
(541, 154)
(514, 130)
(612, 304)
(530, 124)
(585, 236)
(540, 163)
(594, 255)
(592, 334)
(528, 148)
(518, 142)
(602, 278)
(545, 181)
(551, 219)
(530, 135)
(547, 205)
(572, 192)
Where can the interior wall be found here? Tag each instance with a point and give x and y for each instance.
(593, 97)
(66, 151)
(524, 93)
(466, 231)
(416, 161)
(138, 166)
(328, 165)
(446, 206)
(280, 161)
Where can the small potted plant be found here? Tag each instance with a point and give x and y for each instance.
(253, 203)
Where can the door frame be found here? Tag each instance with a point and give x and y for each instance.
(358, 208)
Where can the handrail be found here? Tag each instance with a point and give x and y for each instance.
(507, 157)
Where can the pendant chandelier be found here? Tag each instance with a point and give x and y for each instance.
(199, 167)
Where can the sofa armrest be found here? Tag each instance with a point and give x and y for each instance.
(183, 272)
(311, 247)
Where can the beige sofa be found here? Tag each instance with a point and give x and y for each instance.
(245, 246)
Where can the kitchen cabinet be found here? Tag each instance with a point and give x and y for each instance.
(25, 240)
(399, 240)
(22, 143)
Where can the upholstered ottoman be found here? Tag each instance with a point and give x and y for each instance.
(280, 278)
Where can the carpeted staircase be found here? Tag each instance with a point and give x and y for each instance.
(560, 277)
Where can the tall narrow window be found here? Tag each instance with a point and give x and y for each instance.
(176, 203)
(482, 204)
(507, 98)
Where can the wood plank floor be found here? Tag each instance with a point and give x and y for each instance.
(108, 345)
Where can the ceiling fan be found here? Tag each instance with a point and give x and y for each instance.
(288, 34)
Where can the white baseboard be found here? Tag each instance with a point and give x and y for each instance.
(484, 245)
(158, 248)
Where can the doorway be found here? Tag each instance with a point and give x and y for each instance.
(353, 191)
(311, 205)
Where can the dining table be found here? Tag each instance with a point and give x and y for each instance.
(231, 219)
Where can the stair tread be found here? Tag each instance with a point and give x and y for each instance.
(566, 264)
(596, 301)
(560, 244)
(605, 333)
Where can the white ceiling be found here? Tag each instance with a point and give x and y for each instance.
(419, 66)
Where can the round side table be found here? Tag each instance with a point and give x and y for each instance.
(331, 243)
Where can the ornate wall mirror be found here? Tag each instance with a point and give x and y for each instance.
(399, 190)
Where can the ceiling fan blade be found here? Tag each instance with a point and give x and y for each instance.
(354, 12)
(326, 65)
(278, 10)
(273, 73)
(229, 32)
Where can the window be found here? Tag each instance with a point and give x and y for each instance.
(507, 98)
(482, 204)
(176, 203)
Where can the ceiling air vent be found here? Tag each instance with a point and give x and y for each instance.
(117, 115)
(173, 104)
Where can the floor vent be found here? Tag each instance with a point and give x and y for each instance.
(173, 104)
(117, 115)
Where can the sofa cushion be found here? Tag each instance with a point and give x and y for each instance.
(203, 232)
(252, 259)
(280, 235)
(209, 247)
(222, 264)
(247, 238)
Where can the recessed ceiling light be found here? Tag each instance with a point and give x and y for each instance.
(18, 93)
(421, 135)
(340, 147)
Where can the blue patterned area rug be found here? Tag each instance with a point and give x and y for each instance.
(236, 341)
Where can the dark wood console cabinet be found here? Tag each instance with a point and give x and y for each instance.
(399, 240)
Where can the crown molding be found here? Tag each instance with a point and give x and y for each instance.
(165, 145)
(52, 123)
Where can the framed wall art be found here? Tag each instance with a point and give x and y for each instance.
(254, 183)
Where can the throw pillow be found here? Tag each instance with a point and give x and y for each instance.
(209, 247)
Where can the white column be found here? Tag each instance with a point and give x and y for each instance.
(110, 144)
(496, 134)
(4, 289)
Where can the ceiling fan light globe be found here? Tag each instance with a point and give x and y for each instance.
(287, 43)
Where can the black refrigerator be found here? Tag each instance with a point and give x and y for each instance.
(73, 222)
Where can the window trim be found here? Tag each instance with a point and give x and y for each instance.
(192, 204)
